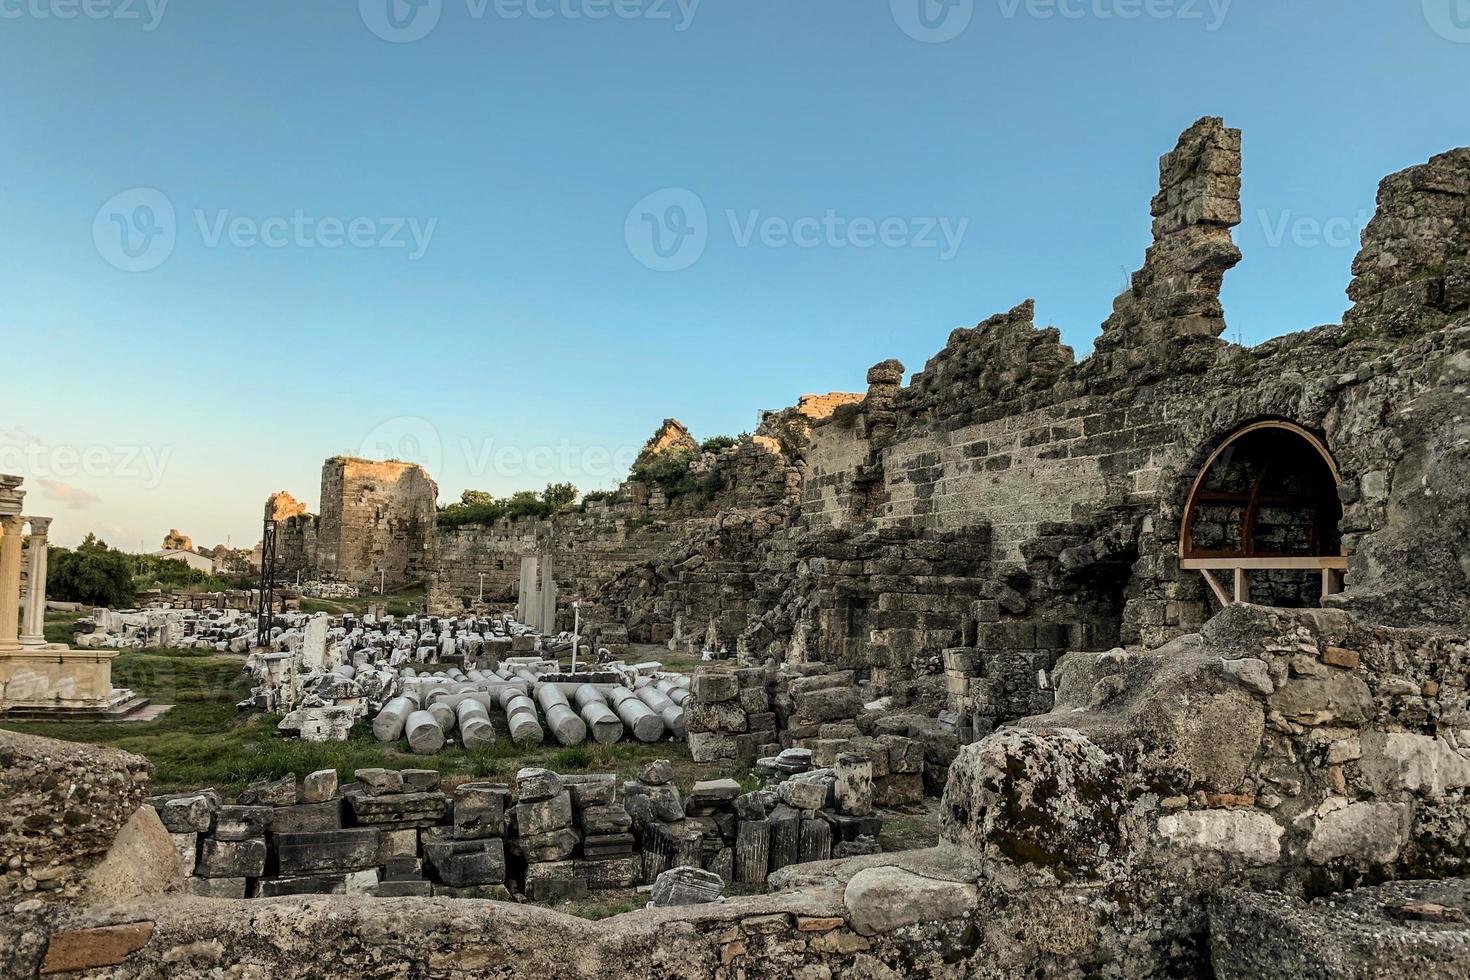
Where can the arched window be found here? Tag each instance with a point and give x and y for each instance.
(1264, 508)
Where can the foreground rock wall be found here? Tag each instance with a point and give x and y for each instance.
(64, 804)
(1298, 750)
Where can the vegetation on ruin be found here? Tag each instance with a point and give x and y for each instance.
(672, 471)
(480, 507)
(718, 444)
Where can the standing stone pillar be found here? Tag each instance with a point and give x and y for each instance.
(526, 598)
(546, 621)
(34, 632)
(10, 556)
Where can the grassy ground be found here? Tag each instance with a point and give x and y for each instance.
(399, 603)
(205, 741)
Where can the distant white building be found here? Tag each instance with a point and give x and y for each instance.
(191, 558)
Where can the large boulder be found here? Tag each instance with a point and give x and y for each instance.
(1053, 804)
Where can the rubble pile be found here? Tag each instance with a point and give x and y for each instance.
(749, 714)
(222, 629)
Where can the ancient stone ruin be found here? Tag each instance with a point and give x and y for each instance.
(1178, 634)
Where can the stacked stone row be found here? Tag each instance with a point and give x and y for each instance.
(570, 834)
(389, 833)
(743, 837)
(730, 715)
(817, 708)
(395, 833)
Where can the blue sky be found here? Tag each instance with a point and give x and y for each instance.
(342, 239)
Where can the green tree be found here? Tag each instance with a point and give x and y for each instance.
(93, 574)
(559, 496)
(476, 498)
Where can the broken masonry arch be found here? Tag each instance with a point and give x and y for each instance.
(1264, 513)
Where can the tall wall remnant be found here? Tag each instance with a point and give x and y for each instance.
(376, 521)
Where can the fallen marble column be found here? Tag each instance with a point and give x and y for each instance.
(641, 720)
(443, 714)
(425, 737)
(566, 726)
(475, 730)
(671, 713)
(520, 718)
(388, 726)
(602, 721)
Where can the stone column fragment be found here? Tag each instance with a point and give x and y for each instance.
(752, 852)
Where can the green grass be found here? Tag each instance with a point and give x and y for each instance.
(399, 603)
(205, 741)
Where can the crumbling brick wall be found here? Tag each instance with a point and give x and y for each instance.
(376, 522)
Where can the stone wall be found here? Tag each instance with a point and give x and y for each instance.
(376, 523)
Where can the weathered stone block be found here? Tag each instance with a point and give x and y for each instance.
(332, 850)
(711, 686)
(534, 784)
(319, 786)
(556, 845)
(593, 789)
(306, 818)
(544, 815)
(686, 886)
(420, 780)
(281, 792)
(401, 809)
(188, 815)
(242, 822)
(704, 716)
(231, 859)
(612, 872)
(377, 782)
(216, 887)
(603, 820)
(302, 885)
(479, 809)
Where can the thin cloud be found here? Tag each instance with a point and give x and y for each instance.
(70, 497)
